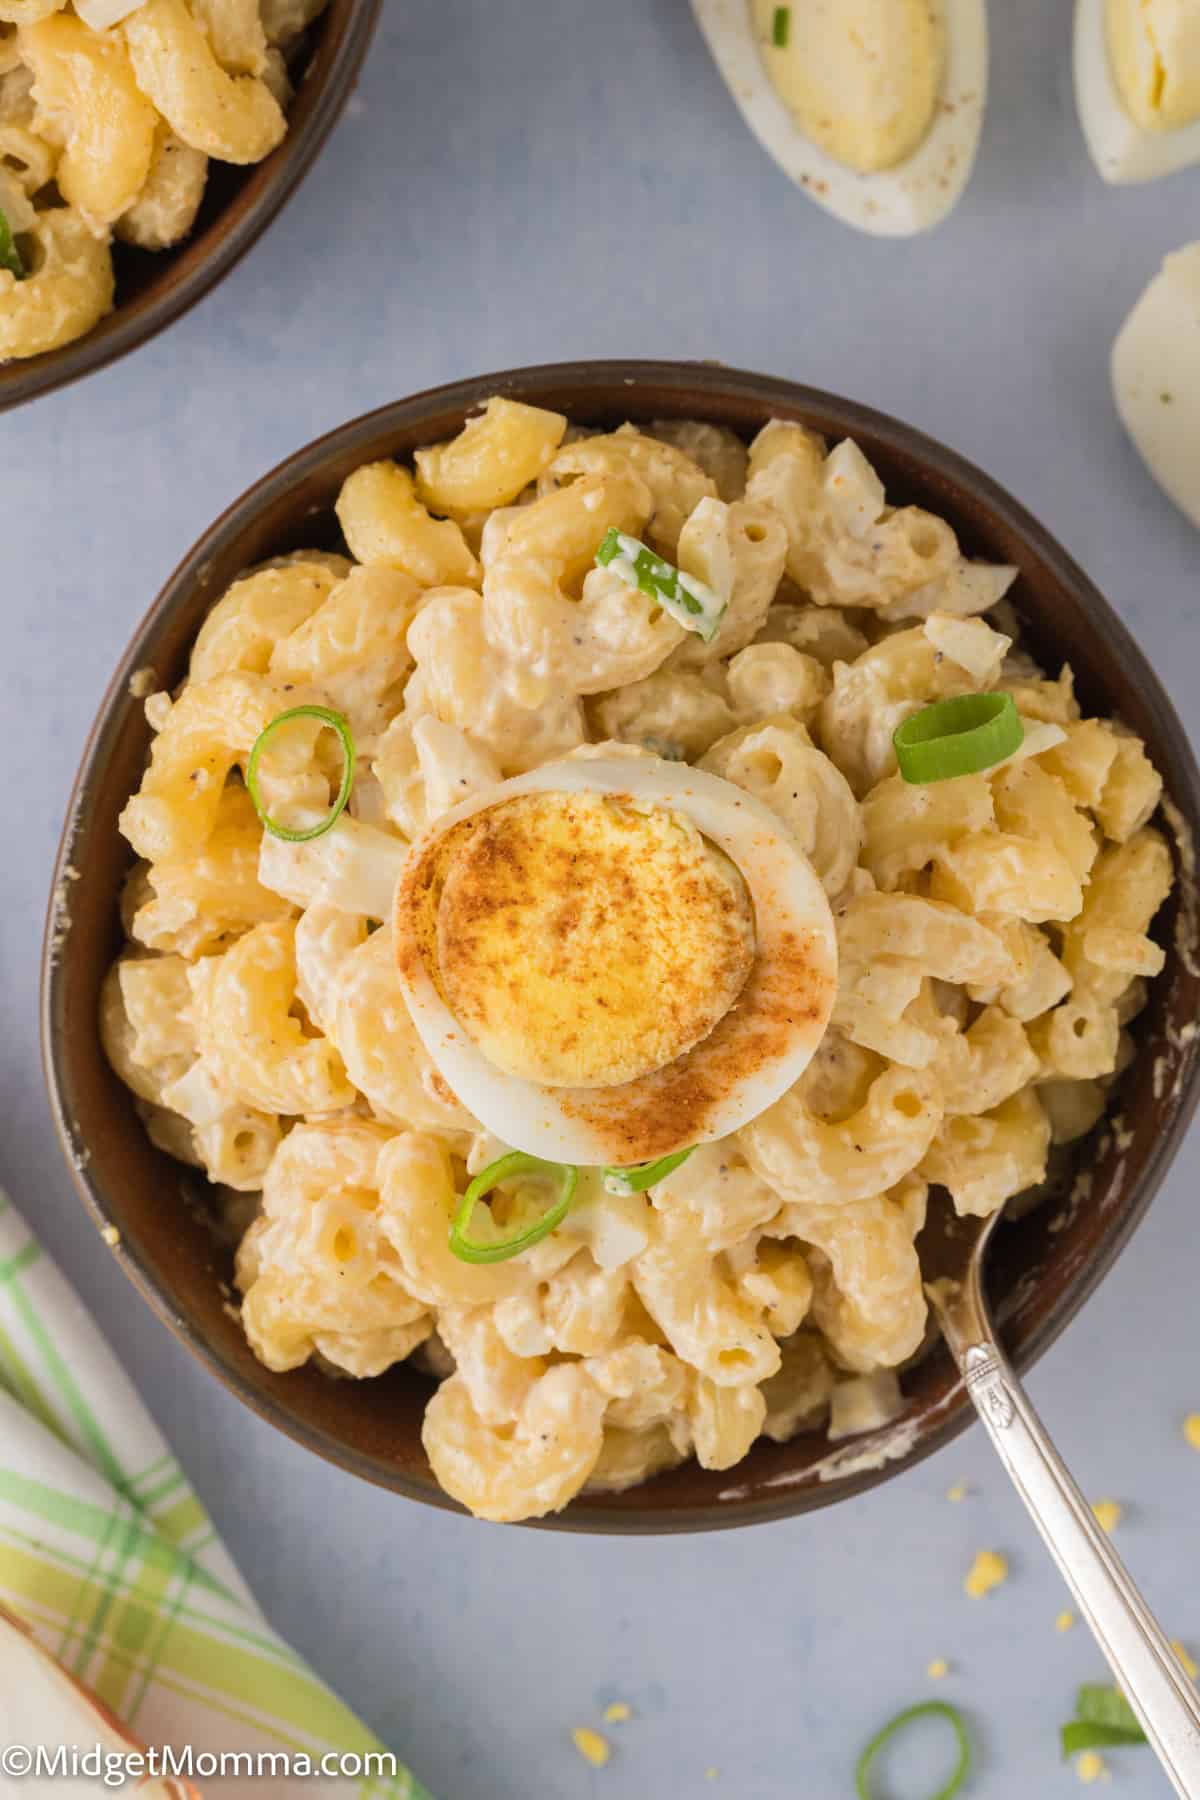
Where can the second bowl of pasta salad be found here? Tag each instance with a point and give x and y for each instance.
(144, 145)
(568, 865)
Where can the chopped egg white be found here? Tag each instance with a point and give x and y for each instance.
(353, 867)
(873, 107)
(1156, 378)
(15, 203)
(1137, 86)
(102, 15)
(864, 1403)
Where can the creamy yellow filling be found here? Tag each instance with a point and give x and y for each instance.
(861, 77)
(1154, 49)
(583, 941)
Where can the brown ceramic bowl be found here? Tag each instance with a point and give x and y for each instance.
(155, 287)
(1043, 1266)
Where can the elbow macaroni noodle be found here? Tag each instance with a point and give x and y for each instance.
(993, 930)
(107, 133)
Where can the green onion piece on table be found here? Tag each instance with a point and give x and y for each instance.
(927, 1710)
(780, 26)
(10, 256)
(1097, 1705)
(691, 601)
(641, 1176)
(503, 1169)
(960, 736)
(336, 723)
(1104, 1720)
(1080, 1735)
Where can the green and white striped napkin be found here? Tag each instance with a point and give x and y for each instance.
(108, 1554)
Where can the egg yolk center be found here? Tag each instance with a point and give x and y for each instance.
(1154, 49)
(583, 940)
(861, 77)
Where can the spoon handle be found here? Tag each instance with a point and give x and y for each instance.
(1141, 1659)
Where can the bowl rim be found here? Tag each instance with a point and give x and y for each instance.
(27, 378)
(466, 395)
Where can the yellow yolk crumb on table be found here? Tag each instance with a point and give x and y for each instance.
(1191, 1430)
(959, 1491)
(1090, 1767)
(584, 941)
(1108, 1515)
(591, 1746)
(618, 1712)
(1187, 1660)
(1064, 1621)
(987, 1572)
(938, 1669)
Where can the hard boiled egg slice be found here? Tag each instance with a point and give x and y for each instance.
(873, 107)
(1156, 378)
(610, 959)
(1137, 85)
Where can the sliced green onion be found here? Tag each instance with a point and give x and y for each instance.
(1081, 1734)
(10, 256)
(958, 737)
(1096, 1705)
(640, 1176)
(336, 723)
(499, 1250)
(1104, 1720)
(691, 601)
(928, 1709)
(780, 26)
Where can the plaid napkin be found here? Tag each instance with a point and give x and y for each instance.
(108, 1554)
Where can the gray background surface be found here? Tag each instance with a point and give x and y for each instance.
(523, 182)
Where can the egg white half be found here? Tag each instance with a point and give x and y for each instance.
(1156, 378)
(637, 1121)
(1121, 149)
(897, 202)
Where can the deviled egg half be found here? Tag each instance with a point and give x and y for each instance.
(873, 107)
(1137, 85)
(611, 959)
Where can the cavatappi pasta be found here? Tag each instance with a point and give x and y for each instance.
(109, 113)
(992, 934)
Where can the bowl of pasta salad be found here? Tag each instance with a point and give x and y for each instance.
(144, 146)
(567, 867)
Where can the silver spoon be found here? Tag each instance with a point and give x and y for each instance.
(1146, 1668)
